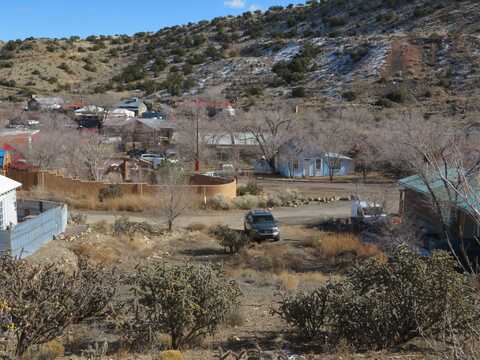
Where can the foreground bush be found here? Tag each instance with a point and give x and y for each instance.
(43, 300)
(384, 304)
(308, 313)
(230, 239)
(187, 302)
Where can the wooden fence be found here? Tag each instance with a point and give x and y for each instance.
(205, 186)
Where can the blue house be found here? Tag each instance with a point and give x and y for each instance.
(311, 162)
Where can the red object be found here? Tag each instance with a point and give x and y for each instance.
(197, 165)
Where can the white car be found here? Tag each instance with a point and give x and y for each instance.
(152, 157)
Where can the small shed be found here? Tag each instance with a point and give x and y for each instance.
(8, 202)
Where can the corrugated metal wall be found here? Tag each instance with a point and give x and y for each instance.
(29, 236)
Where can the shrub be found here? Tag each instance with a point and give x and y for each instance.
(274, 200)
(254, 91)
(349, 95)
(230, 239)
(397, 94)
(246, 202)
(298, 92)
(289, 196)
(6, 64)
(218, 202)
(251, 188)
(123, 226)
(43, 300)
(308, 313)
(188, 302)
(334, 21)
(385, 304)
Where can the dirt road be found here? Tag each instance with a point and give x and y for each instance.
(290, 216)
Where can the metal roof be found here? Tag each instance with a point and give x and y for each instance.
(437, 185)
(7, 184)
(156, 124)
(133, 103)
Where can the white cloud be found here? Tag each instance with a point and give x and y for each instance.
(235, 4)
(254, 7)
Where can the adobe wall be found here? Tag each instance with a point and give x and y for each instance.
(203, 186)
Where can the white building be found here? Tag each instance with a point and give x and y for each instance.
(8, 202)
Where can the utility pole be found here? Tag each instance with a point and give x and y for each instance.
(197, 156)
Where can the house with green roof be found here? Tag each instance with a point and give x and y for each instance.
(430, 204)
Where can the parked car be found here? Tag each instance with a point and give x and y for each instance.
(261, 225)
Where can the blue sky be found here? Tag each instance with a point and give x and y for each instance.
(61, 18)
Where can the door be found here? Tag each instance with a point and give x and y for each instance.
(307, 168)
(318, 167)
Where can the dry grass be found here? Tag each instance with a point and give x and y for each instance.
(288, 282)
(109, 250)
(130, 203)
(99, 254)
(331, 245)
(197, 227)
(270, 258)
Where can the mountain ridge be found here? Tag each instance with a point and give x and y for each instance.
(381, 53)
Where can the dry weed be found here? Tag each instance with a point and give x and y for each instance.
(97, 253)
(330, 245)
(274, 259)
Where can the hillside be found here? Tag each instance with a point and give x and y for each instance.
(386, 53)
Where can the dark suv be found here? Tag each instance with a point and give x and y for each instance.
(261, 225)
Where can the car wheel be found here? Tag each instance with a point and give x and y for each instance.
(276, 238)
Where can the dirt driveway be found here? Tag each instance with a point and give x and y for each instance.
(289, 216)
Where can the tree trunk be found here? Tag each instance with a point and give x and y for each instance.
(271, 162)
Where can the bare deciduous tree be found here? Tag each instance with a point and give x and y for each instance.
(174, 197)
(271, 129)
(89, 154)
(330, 132)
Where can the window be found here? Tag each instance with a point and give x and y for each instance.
(260, 219)
(318, 164)
(295, 165)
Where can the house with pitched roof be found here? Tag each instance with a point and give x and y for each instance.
(134, 104)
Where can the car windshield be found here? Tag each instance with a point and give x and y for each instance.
(259, 219)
